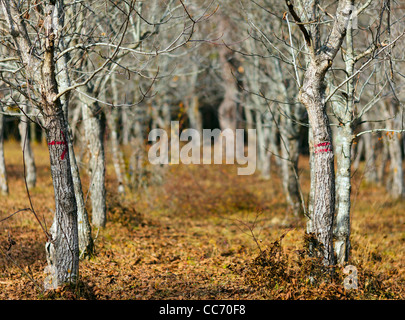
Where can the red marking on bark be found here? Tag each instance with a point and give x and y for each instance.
(323, 150)
(322, 144)
(52, 143)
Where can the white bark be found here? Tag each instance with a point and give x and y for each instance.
(112, 120)
(193, 105)
(30, 168)
(3, 171)
(263, 145)
(84, 228)
(343, 191)
(227, 110)
(370, 174)
(344, 141)
(396, 186)
(95, 145)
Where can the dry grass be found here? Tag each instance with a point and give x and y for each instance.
(197, 236)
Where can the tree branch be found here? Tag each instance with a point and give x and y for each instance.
(300, 24)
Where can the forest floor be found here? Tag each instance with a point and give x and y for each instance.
(203, 232)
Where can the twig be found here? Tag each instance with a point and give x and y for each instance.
(292, 52)
(379, 130)
(363, 67)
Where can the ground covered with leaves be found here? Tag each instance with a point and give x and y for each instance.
(202, 233)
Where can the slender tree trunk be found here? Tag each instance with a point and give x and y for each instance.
(227, 109)
(137, 157)
(289, 168)
(86, 245)
(126, 127)
(112, 120)
(250, 124)
(396, 186)
(371, 173)
(383, 159)
(358, 152)
(194, 115)
(261, 115)
(289, 144)
(396, 183)
(344, 110)
(30, 168)
(343, 190)
(193, 104)
(227, 112)
(311, 195)
(3, 172)
(77, 112)
(95, 144)
(263, 136)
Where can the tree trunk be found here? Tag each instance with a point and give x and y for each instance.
(370, 168)
(227, 109)
(30, 169)
(126, 127)
(289, 143)
(289, 169)
(344, 111)
(263, 154)
(194, 115)
(3, 172)
(262, 117)
(383, 159)
(95, 144)
(358, 152)
(193, 104)
(86, 245)
(396, 187)
(112, 120)
(343, 190)
(311, 195)
(396, 184)
(312, 97)
(63, 246)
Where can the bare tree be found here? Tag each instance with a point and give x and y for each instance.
(35, 43)
(344, 108)
(39, 67)
(312, 96)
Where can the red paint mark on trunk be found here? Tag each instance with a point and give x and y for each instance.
(323, 144)
(53, 143)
